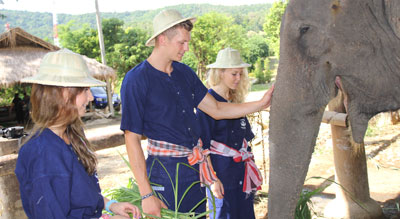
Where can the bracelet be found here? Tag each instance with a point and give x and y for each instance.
(148, 195)
(108, 205)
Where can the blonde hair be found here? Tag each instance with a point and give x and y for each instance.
(239, 94)
(49, 108)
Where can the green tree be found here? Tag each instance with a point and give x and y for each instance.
(113, 32)
(130, 51)
(267, 70)
(272, 25)
(257, 47)
(213, 32)
(259, 71)
(83, 41)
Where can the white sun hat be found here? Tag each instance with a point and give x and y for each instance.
(63, 68)
(228, 58)
(165, 20)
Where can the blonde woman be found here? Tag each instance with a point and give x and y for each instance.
(227, 139)
(56, 167)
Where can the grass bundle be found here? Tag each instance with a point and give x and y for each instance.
(132, 195)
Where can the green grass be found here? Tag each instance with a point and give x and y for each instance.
(371, 131)
(260, 87)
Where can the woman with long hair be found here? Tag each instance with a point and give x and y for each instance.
(228, 139)
(56, 166)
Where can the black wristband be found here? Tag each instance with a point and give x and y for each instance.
(147, 195)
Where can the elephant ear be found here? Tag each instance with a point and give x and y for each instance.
(393, 15)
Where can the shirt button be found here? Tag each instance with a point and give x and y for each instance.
(233, 131)
(95, 211)
(183, 111)
(177, 92)
(189, 129)
(235, 143)
(240, 182)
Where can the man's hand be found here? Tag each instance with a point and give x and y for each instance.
(218, 189)
(152, 205)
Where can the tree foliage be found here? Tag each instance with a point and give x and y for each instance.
(83, 41)
(257, 47)
(211, 33)
(272, 25)
(41, 24)
(124, 47)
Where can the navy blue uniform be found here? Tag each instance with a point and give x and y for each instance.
(53, 183)
(231, 132)
(161, 107)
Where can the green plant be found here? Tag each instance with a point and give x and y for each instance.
(371, 131)
(304, 205)
(267, 70)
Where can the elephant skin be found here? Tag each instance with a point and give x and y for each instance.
(326, 45)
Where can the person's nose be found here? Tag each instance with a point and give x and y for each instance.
(90, 96)
(186, 46)
(238, 77)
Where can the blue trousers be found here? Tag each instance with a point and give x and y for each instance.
(186, 177)
(234, 205)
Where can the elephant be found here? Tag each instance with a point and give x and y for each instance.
(327, 46)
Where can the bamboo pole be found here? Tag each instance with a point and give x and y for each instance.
(103, 57)
(335, 118)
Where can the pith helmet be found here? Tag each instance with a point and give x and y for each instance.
(228, 58)
(165, 20)
(63, 68)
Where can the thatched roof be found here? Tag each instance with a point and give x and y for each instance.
(21, 53)
(17, 37)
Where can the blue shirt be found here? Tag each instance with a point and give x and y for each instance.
(230, 132)
(161, 107)
(53, 183)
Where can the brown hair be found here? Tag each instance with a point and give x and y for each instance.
(171, 32)
(51, 106)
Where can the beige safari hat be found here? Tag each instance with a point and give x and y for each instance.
(228, 58)
(165, 20)
(63, 68)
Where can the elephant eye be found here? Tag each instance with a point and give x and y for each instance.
(303, 30)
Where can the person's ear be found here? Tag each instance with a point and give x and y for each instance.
(162, 39)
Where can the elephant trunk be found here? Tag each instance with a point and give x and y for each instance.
(294, 126)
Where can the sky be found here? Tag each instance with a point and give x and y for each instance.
(87, 6)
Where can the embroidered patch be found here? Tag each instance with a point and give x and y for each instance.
(243, 123)
(158, 188)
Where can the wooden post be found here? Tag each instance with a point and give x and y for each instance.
(103, 58)
(351, 173)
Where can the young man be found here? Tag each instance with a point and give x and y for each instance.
(158, 100)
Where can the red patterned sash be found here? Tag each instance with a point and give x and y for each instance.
(197, 155)
(252, 176)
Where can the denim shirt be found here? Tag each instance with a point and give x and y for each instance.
(53, 182)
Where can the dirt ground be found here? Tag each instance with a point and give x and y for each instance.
(382, 145)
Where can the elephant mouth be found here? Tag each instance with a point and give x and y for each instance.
(339, 85)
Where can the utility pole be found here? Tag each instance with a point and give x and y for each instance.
(103, 57)
(55, 23)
